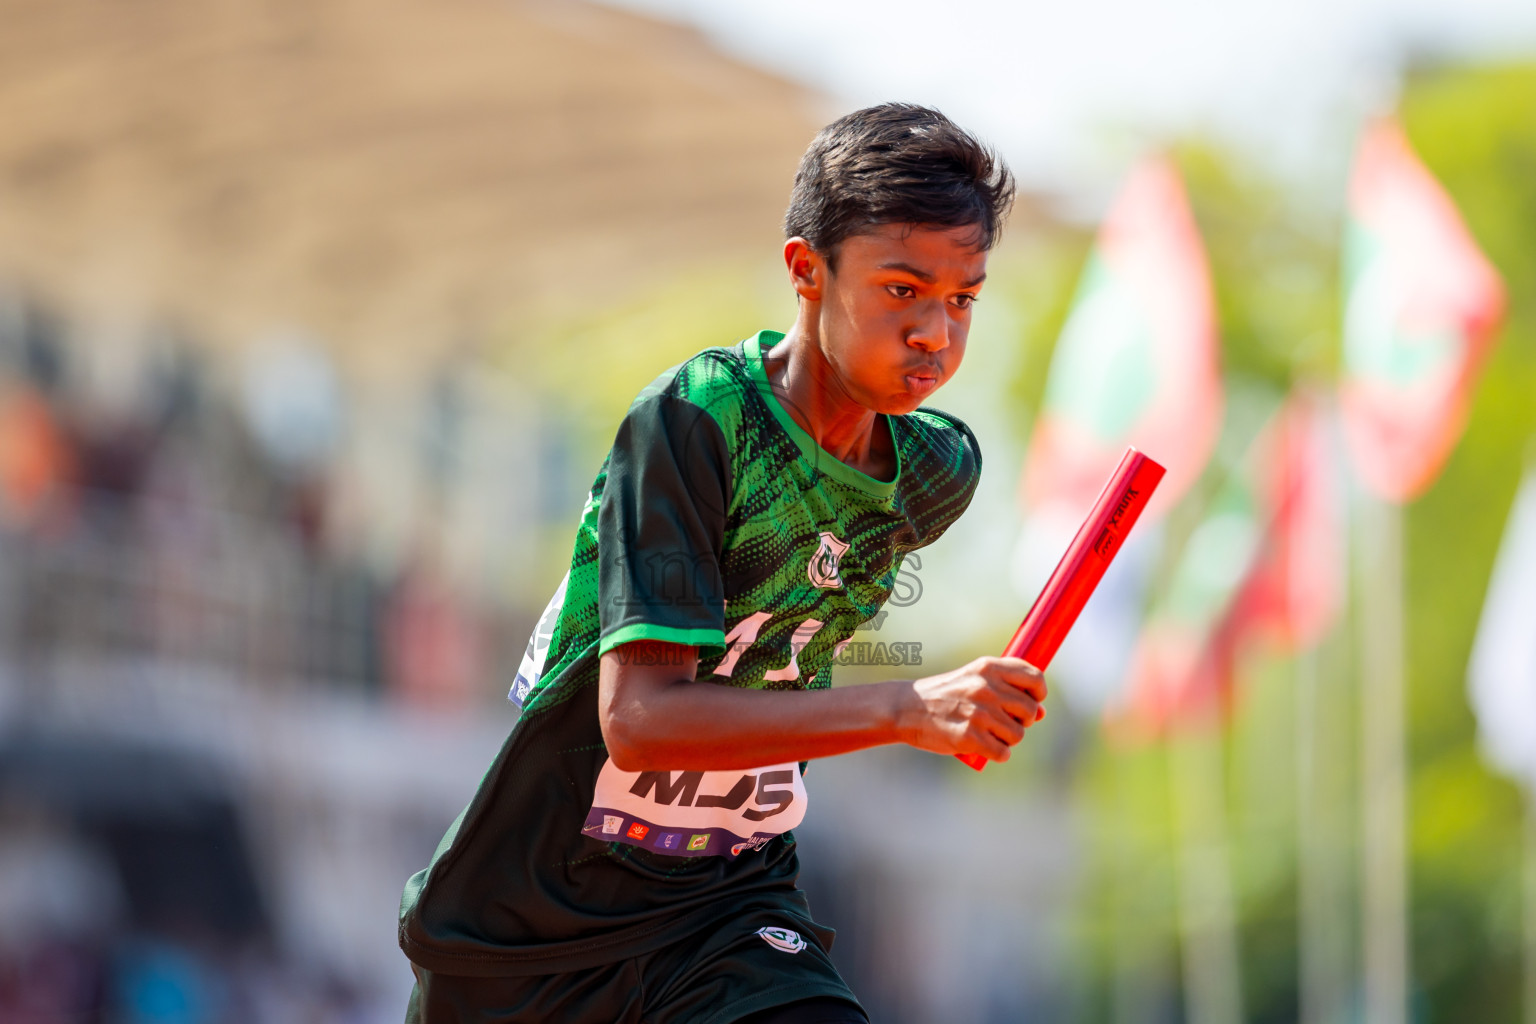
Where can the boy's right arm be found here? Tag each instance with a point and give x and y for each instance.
(655, 716)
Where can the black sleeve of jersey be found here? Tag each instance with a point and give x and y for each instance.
(661, 527)
(968, 473)
(950, 474)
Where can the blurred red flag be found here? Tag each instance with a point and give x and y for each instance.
(1266, 562)
(1136, 360)
(1296, 588)
(1422, 306)
(1180, 679)
(1180, 670)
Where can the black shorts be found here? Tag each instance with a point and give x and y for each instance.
(718, 976)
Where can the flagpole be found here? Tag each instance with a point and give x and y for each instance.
(1133, 991)
(1530, 908)
(1207, 921)
(1383, 777)
(1125, 998)
(1311, 894)
(1324, 919)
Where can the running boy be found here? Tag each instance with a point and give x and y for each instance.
(628, 856)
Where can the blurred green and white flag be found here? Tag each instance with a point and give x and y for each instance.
(1422, 306)
(1136, 364)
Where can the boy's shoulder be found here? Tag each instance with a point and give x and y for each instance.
(722, 386)
(933, 434)
(706, 378)
(727, 384)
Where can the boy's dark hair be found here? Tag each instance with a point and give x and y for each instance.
(897, 163)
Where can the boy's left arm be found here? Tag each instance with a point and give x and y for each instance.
(656, 716)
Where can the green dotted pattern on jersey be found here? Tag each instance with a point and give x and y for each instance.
(786, 492)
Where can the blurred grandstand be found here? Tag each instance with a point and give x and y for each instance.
(272, 459)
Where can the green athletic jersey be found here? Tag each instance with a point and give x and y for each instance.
(715, 522)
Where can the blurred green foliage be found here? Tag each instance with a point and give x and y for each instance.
(590, 364)
(597, 362)
(1274, 256)
(1476, 129)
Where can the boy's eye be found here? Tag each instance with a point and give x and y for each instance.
(965, 301)
(901, 291)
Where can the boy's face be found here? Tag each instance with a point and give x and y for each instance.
(894, 313)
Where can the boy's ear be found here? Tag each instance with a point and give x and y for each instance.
(807, 269)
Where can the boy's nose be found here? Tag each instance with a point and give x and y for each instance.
(931, 332)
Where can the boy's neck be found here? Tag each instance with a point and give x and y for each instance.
(811, 392)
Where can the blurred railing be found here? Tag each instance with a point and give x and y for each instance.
(190, 583)
(187, 582)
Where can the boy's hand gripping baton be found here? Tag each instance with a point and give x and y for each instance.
(1097, 542)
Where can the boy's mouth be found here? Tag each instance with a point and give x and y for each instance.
(921, 382)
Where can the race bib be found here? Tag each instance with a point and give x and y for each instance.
(696, 814)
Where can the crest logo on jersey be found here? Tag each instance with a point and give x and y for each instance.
(823, 567)
(785, 940)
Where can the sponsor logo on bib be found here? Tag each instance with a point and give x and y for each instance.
(755, 843)
(823, 567)
(784, 940)
(696, 813)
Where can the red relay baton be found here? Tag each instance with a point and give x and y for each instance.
(1097, 542)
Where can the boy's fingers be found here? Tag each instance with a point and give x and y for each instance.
(1006, 727)
(995, 748)
(1018, 705)
(1019, 673)
(984, 734)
